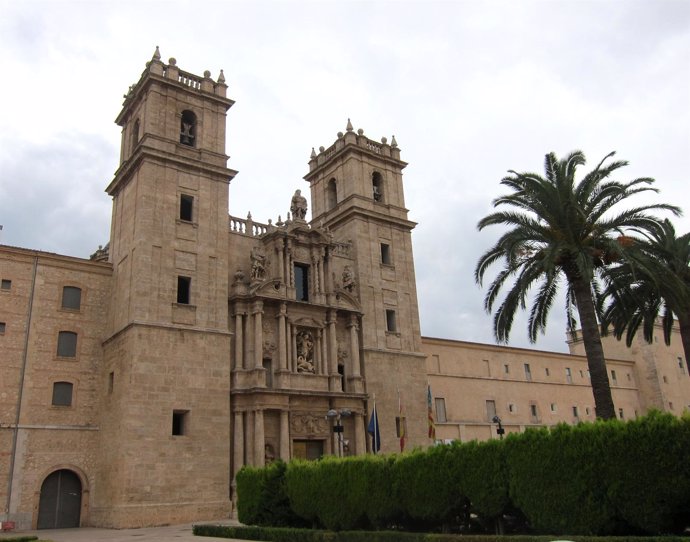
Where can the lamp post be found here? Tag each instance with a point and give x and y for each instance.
(336, 416)
(499, 430)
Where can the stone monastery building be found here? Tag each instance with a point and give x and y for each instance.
(134, 385)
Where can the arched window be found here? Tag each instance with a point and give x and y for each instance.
(62, 393)
(71, 298)
(67, 344)
(188, 128)
(331, 194)
(377, 186)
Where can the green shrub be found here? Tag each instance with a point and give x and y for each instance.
(555, 478)
(262, 499)
(426, 485)
(649, 473)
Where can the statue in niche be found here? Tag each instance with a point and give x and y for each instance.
(305, 352)
(298, 206)
(258, 264)
(269, 454)
(348, 279)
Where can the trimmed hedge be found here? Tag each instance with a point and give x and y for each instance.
(278, 534)
(598, 478)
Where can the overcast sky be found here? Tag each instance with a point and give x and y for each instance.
(469, 89)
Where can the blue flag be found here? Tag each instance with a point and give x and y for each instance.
(373, 430)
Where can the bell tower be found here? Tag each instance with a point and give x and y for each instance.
(357, 193)
(166, 368)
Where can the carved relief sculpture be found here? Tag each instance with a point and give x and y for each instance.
(305, 352)
(348, 279)
(258, 264)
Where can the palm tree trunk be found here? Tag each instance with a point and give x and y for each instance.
(684, 325)
(603, 402)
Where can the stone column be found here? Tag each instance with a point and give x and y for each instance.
(282, 346)
(259, 441)
(257, 311)
(317, 353)
(360, 434)
(239, 339)
(238, 436)
(324, 352)
(285, 435)
(354, 345)
(322, 283)
(293, 347)
(279, 260)
(334, 377)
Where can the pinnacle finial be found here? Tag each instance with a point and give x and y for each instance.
(394, 143)
(349, 127)
(221, 77)
(313, 153)
(156, 54)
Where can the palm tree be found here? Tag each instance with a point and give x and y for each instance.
(658, 283)
(560, 228)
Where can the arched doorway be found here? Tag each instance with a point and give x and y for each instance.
(60, 502)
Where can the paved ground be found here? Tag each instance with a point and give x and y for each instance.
(172, 533)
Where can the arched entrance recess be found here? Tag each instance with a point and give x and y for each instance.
(60, 502)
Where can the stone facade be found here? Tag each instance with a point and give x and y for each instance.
(136, 384)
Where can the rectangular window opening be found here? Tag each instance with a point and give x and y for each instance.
(391, 325)
(553, 407)
(528, 372)
(386, 254)
(2, 328)
(184, 286)
(67, 344)
(490, 409)
(440, 403)
(506, 368)
(186, 207)
(71, 298)
(62, 394)
(568, 375)
(576, 414)
(111, 382)
(180, 422)
(5, 284)
(534, 413)
(620, 413)
(301, 282)
(548, 373)
(613, 377)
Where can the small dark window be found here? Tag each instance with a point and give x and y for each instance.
(301, 282)
(71, 298)
(184, 286)
(528, 372)
(179, 422)
(390, 321)
(548, 373)
(534, 413)
(576, 414)
(62, 394)
(2, 328)
(5, 284)
(386, 254)
(613, 377)
(568, 375)
(186, 207)
(67, 344)
(377, 186)
(188, 128)
(620, 413)
(111, 382)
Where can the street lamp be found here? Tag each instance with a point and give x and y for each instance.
(499, 430)
(336, 416)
